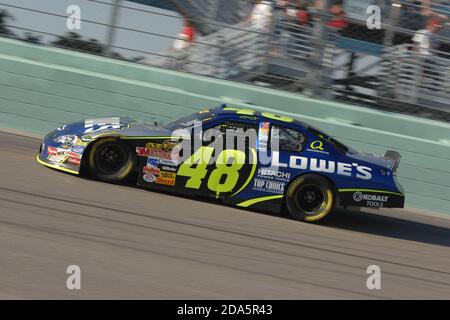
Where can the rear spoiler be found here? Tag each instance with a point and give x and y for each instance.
(395, 156)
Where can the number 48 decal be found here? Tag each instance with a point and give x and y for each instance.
(201, 159)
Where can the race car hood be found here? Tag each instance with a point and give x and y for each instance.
(90, 129)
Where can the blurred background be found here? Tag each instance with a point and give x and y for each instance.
(321, 48)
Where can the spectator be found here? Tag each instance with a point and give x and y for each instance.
(185, 37)
(425, 42)
(338, 21)
(425, 39)
(411, 16)
(261, 15)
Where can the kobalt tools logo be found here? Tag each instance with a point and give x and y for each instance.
(358, 196)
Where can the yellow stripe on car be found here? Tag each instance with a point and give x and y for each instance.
(250, 202)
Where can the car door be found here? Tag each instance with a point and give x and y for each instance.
(224, 162)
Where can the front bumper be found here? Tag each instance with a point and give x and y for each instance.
(55, 157)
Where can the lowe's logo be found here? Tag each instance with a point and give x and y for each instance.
(322, 165)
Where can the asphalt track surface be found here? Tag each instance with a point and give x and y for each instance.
(132, 243)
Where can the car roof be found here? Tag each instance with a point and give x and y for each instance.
(225, 111)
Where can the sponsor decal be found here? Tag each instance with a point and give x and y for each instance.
(52, 151)
(169, 145)
(56, 154)
(81, 143)
(153, 145)
(168, 175)
(152, 162)
(86, 138)
(357, 196)
(78, 149)
(63, 152)
(68, 140)
(317, 146)
(166, 178)
(75, 161)
(264, 127)
(263, 136)
(156, 153)
(152, 170)
(74, 155)
(273, 174)
(169, 162)
(322, 165)
(371, 200)
(142, 152)
(166, 181)
(268, 186)
(149, 177)
(167, 168)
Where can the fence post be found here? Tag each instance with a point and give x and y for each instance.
(394, 15)
(320, 32)
(112, 27)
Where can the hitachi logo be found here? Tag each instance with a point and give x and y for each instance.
(322, 165)
(274, 173)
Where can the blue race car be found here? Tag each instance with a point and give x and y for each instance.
(245, 158)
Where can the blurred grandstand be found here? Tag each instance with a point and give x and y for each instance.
(322, 48)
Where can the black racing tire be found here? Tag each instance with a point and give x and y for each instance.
(111, 160)
(310, 197)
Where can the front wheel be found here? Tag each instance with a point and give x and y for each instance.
(310, 198)
(111, 160)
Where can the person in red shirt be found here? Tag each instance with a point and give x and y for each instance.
(185, 37)
(338, 21)
(302, 14)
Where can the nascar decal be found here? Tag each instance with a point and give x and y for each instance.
(322, 165)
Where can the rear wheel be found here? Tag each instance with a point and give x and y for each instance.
(111, 160)
(311, 197)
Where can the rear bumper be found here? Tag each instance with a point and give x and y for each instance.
(371, 198)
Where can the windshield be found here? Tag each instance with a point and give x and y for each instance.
(189, 120)
(337, 144)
